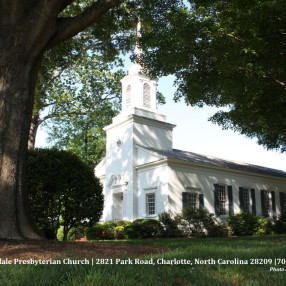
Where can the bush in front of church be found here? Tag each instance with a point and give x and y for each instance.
(108, 230)
(143, 228)
(169, 225)
(245, 223)
(93, 232)
(196, 222)
(119, 232)
(280, 224)
(62, 191)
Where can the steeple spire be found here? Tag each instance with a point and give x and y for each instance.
(138, 89)
(138, 50)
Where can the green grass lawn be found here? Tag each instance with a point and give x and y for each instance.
(261, 253)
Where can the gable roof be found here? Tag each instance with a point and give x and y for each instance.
(215, 162)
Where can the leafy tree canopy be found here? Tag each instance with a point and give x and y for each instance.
(91, 49)
(225, 54)
(61, 186)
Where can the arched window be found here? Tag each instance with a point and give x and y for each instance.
(146, 95)
(128, 96)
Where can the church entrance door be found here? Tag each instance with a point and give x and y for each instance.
(117, 207)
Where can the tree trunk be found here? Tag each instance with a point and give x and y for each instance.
(25, 31)
(33, 131)
(16, 105)
(18, 71)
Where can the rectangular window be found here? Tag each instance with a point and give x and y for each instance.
(246, 200)
(267, 203)
(150, 204)
(193, 200)
(222, 200)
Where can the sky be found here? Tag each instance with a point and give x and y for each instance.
(194, 133)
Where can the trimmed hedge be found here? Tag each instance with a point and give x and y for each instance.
(245, 223)
(94, 232)
(194, 222)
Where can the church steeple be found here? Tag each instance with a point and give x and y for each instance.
(138, 90)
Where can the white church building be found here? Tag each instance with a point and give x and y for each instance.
(143, 176)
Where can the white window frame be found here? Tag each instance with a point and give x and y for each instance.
(149, 206)
(197, 203)
(148, 192)
(247, 190)
(226, 204)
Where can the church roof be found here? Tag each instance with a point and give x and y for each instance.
(216, 162)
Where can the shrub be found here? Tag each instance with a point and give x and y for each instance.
(242, 223)
(93, 232)
(263, 226)
(151, 228)
(280, 224)
(133, 231)
(108, 230)
(195, 222)
(123, 223)
(60, 185)
(75, 233)
(245, 223)
(60, 233)
(119, 232)
(169, 225)
(71, 234)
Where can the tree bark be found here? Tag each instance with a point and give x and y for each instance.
(16, 105)
(27, 29)
(33, 131)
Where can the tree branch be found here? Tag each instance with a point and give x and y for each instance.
(53, 115)
(69, 27)
(263, 76)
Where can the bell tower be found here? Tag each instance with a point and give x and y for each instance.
(138, 91)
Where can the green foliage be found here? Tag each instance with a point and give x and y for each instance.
(280, 224)
(123, 223)
(93, 232)
(263, 227)
(225, 54)
(169, 225)
(195, 222)
(242, 223)
(85, 98)
(61, 186)
(133, 231)
(60, 233)
(108, 231)
(144, 228)
(151, 228)
(245, 223)
(104, 231)
(75, 233)
(119, 232)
